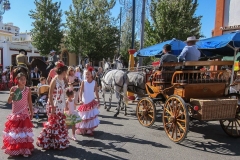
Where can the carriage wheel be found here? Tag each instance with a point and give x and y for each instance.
(146, 112)
(175, 118)
(232, 127)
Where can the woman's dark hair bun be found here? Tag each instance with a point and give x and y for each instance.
(60, 70)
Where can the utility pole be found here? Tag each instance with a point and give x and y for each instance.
(142, 30)
(120, 32)
(133, 22)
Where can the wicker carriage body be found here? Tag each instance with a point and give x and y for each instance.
(214, 109)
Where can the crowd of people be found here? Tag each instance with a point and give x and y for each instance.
(73, 101)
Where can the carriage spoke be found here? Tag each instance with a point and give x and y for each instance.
(168, 111)
(181, 120)
(174, 128)
(169, 128)
(179, 115)
(181, 126)
(236, 128)
(150, 116)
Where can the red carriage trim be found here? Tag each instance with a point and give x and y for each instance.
(88, 107)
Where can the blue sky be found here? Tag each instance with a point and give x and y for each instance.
(18, 14)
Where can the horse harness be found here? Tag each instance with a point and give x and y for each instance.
(135, 87)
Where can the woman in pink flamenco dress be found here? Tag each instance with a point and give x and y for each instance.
(18, 133)
(88, 111)
(54, 133)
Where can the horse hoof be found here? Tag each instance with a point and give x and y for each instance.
(108, 109)
(125, 114)
(122, 108)
(115, 115)
(105, 107)
(116, 108)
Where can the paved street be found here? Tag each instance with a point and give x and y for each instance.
(124, 138)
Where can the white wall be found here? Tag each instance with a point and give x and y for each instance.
(232, 13)
(7, 53)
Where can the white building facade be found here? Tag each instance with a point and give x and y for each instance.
(11, 41)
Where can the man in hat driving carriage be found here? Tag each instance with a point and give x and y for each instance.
(52, 59)
(22, 59)
(22, 62)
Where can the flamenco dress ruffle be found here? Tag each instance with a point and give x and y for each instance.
(54, 134)
(89, 115)
(18, 135)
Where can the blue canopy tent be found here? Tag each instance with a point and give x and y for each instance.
(220, 45)
(156, 49)
(227, 45)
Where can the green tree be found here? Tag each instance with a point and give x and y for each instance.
(46, 32)
(90, 29)
(172, 19)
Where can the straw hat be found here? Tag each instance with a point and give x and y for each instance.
(191, 39)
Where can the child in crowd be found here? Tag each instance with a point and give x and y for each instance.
(88, 110)
(73, 82)
(78, 73)
(71, 113)
(43, 81)
(18, 133)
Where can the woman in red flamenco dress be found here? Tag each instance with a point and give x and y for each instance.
(54, 133)
(18, 133)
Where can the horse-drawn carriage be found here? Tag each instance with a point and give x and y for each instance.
(189, 92)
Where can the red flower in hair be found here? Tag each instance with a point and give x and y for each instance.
(16, 80)
(90, 69)
(60, 64)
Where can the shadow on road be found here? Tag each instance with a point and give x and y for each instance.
(5, 105)
(71, 153)
(106, 142)
(218, 141)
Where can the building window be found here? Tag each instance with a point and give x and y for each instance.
(65, 58)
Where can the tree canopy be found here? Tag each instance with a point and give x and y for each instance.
(46, 33)
(90, 29)
(172, 19)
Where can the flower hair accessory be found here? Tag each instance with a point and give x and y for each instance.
(16, 80)
(60, 64)
(90, 69)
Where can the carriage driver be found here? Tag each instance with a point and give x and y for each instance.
(52, 59)
(22, 59)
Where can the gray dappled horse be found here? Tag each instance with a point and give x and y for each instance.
(136, 85)
(115, 80)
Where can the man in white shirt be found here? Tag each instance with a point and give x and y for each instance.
(85, 70)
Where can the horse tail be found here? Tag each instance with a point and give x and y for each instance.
(125, 85)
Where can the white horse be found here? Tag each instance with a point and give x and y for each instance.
(115, 80)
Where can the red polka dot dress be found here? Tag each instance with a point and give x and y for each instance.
(18, 133)
(54, 133)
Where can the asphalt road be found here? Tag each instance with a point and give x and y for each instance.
(124, 138)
